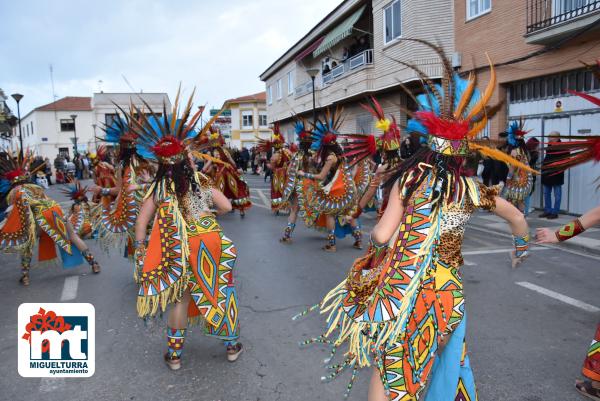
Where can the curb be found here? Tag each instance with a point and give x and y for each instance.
(568, 245)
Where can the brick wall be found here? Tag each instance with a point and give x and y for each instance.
(501, 34)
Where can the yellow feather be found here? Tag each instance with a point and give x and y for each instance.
(466, 97)
(501, 156)
(207, 157)
(487, 94)
(477, 127)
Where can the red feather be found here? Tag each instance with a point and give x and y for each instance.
(168, 146)
(11, 175)
(587, 97)
(447, 129)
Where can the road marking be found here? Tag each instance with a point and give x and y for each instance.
(69, 291)
(504, 250)
(263, 206)
(555, 247)
(264, 199)
(560, 297)
(469, 263)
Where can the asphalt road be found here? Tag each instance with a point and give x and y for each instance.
(528, 328)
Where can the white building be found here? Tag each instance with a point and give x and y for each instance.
(51, 129)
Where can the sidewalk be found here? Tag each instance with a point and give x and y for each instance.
(588, 241)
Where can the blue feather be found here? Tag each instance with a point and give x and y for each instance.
(4, 186)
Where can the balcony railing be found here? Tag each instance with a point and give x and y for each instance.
(363, 58)
(303, 89)
(547, 13)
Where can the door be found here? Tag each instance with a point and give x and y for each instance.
(584, 179)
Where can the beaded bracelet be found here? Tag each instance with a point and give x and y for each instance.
(521, 245)
(309, 176)
(569, 230)
(138, 244)
(105, 191)
(379, 248)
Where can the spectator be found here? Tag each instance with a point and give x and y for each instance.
(409, 146)
(552, 183)
(245, 157)
(48, 170)
(86, 167)
(78, 167)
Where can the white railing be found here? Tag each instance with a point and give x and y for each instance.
(354, 62)
(303, 89)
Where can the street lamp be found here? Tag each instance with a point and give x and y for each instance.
(18, 97)
(95, 137)
(313, 72)
(73, 117)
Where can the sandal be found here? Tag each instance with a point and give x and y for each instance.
(24, 280)
(173, 363)
(96, 268)
(329, 248)
(234, 351)
(585, 388)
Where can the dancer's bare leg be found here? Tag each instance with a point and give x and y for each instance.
(376, 389)
(82, 246)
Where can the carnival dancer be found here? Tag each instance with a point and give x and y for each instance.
(519, 182)
(572, 152)
(331, 191)
(300, 161)
(278, 165)
(104, 172)
(187, 261)
(115, 222)
(403, 301)
(80, 211)
(225, 175)
(33, 218)
(362, 147)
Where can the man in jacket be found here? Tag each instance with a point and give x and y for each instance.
(552, 183)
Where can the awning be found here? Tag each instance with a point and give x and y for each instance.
(309, 49)
(340, 32)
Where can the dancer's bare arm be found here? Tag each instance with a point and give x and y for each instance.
(144, 217)
(222, 204)
(587, 220)
(387, 226)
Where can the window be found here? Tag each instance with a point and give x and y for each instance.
(67, 125)
(31, 123)
(279, 89)
(44, 139)
(109, 119)
(392, 23)
(247, 120)
(262, 120)
(269, 94)
(475, 8)
(290, 77)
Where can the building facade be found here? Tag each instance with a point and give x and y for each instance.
(356, 51)
(248, 119)
(51, 129)
(538, 47)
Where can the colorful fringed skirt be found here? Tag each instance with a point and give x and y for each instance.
(208, 274)
(336, 198)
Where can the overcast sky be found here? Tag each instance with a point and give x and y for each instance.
(220, 47)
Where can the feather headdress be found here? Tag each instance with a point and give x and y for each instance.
(75, 192)
(516, 132)
(15, 169)
(452, 113)
(119, 132)
(325, 132)
(165, 138)
(302, 133)
(360, 146)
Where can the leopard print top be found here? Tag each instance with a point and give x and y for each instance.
(454, 221)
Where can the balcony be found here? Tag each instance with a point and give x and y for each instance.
(303, 89)
(354, 62)
(552, 20)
